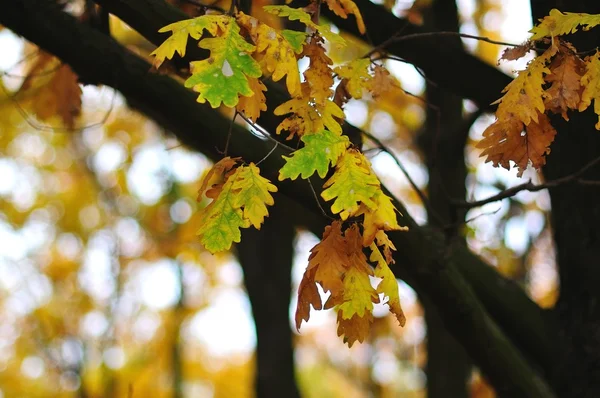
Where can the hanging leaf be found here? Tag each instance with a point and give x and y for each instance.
(320, 150)
(388, 285)
(223, 77)
(342, 8)
(277, 57)
(352, 183)
(256, 103)
(558, 23)
(180, 32)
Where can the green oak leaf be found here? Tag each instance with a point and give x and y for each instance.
(222, 78)
(320, 149)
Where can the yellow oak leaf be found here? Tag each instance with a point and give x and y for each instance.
(275, 55)
(591, 85)
(304, 119)
(253, 105)
(358, 293)
(565, 78)
(357, 76)
(558, 23)
(388, 285)
(384, 241)
(181, 30)
(308, 295)
(308, 118)
(503, 141)
(352, 183)
(319, 75)
(524, 95)
(380, 217)
(342, 8)
(252, 193)
(354, 329)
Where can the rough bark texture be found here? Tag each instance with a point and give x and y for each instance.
(438, 271)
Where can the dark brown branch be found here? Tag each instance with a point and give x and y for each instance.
(531, 187)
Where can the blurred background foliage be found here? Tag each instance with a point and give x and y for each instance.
(104, 291)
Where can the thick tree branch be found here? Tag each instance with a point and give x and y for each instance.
(101, 60)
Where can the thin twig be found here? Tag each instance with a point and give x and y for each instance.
(317, 199)
(529, 186)
(264, 132)
(268, 154)
(235, 113)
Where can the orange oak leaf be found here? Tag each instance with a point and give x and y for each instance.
(504, 141)
(330, 259)
(308, 295)
(354, 329)
(516, 52)
(565, 78)
(215, 178)
(342, 8)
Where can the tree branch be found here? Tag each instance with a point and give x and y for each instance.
(529, 186)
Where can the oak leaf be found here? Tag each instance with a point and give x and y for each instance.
(504, 141)
(354, 329)
(223, 77)
(357, 76)
(523, 98)
(320, 150)
(558, 23)
(252, 193)
(342, 8)
(565, 78)
(241, 201)
(180, 32)
(256, 103)
(591, 85)
(516, 52)
(213, 181)
(352, 183)
(388, 285)
(276, 56)
(308, 295)
(381, 217)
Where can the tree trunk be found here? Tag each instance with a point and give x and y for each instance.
(442, 143)
(266, 257)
